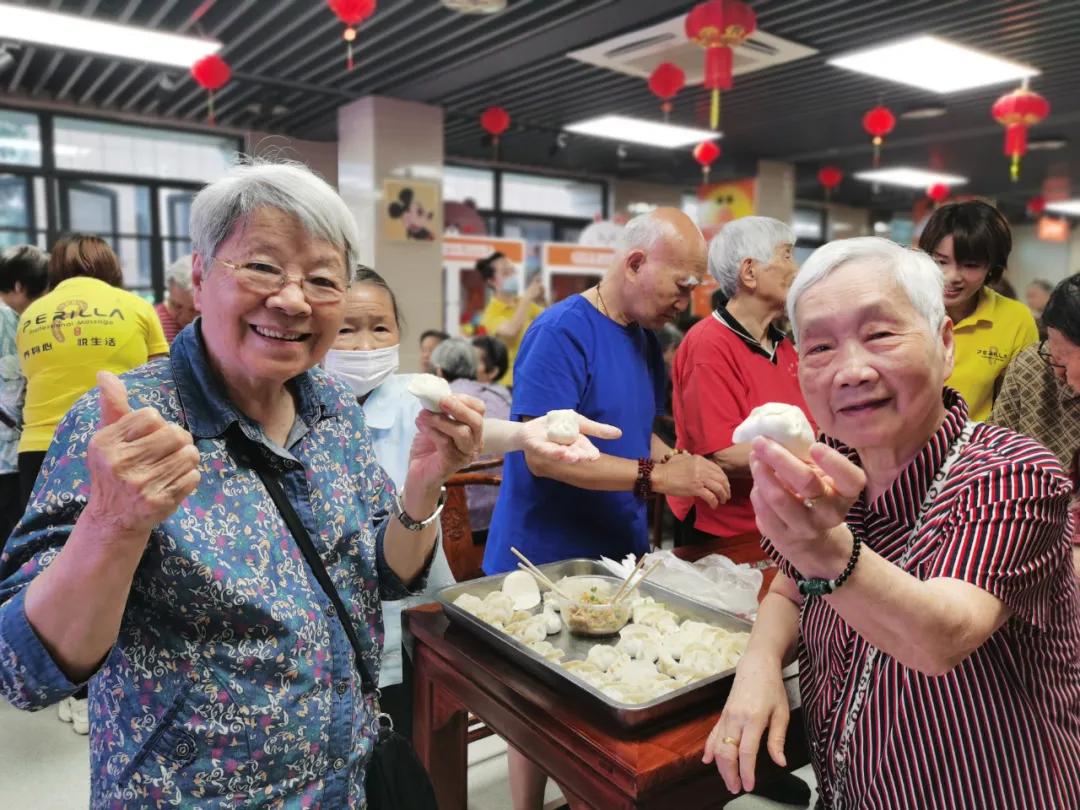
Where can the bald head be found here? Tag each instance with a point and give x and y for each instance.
(660, 257)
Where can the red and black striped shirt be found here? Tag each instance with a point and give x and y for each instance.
(1002, 729)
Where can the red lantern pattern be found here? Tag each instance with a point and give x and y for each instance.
(878, 123)
(718, 26)
(351, 13)
(1036, 206)
(211, 73)
(665, 82)
(829, 177)
(938, 193)
(706, 154)
(495, 121)
(1016, 111)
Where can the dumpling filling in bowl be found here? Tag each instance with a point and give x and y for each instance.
(590, 611)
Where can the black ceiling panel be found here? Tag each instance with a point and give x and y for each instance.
(290, 53)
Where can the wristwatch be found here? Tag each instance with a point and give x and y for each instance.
(409, 523)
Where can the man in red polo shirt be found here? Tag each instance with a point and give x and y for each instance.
(732, 362)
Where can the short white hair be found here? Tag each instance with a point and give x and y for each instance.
(916, 273)
(642, 233)
(287, 186)
(745, 238)
(456, 358)
(179, 273)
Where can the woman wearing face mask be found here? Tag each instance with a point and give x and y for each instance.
(365, 357)
(971, 242)
(509, 312)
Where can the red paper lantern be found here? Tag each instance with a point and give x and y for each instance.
(211, 73)
(829, 177)
(495, 121)
(1016, 111)
(1036, 206)
(938, 193)
(706, 154)
(878, 123)
(718, 26)
(351, 13)
(665, 82)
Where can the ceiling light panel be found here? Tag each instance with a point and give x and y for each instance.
(1068, 207)
(934, 64)
(78, 33)
(909, 177)
(642, 131)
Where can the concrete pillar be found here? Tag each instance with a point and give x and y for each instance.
(381, 141)
(775, 190)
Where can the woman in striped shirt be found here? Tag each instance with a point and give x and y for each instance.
(926, 575)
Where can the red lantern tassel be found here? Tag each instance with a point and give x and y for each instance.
(350, 36)
(877, 151)
(1016, 146)
(718, 65)
(213, 119)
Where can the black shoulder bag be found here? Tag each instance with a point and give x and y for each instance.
(396, 778)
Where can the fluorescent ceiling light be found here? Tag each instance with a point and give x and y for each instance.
(933, 64)
(640, 130)
(1069, 207)
(77, 33)
(32, 145)
(909, 177)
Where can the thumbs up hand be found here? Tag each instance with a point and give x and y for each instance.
(141, 467)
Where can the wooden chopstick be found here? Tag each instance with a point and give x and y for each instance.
(537, 575)
(536, 572)
(627, 581)
(644, 577)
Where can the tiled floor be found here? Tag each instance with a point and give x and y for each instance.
(43, 765)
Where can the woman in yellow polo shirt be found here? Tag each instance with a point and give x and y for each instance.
(510, 311)
(971, 243)
(83, 325)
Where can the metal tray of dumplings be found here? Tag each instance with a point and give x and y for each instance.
(712, 690)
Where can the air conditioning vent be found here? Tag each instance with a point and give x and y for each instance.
(639, 52)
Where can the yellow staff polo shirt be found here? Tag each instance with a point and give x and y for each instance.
(67, 336)
(495, 315)
(986, 341)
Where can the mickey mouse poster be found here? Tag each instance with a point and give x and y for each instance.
(413, 211)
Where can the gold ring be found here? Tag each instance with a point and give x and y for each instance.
(729, 741)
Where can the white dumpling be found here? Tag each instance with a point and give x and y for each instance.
(547, 650)
(562, 427)
(469, 603)
(530, 631)
(554, 623)
(429, 389)
(640, 631)
(605, 657)
(786, 424)
(496, 607)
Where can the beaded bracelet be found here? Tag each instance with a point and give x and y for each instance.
(824, 587)
(643, 486)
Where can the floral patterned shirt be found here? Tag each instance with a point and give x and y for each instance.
(232, 683)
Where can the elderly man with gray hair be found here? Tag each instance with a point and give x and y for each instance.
(178, 308)
(596, 354)
(731, 363)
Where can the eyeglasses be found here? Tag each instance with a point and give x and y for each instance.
(1048, 356)
(267, 279)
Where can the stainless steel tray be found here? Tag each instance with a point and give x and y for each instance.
(712, 690)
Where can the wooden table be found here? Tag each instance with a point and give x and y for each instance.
(598, 765)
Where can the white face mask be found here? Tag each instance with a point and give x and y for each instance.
(363, 371)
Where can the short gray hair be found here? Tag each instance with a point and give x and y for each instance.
(745, 238)
(642, 233)
(913, 270)
(179, 273)
(291, 188)
(456, 358)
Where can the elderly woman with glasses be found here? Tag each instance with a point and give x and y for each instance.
(211, 535)
(926, 577)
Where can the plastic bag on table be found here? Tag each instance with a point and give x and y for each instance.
(714, 580)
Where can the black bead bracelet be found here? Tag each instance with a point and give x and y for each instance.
(823, 587)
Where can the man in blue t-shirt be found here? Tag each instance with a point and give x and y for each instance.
(596, 354)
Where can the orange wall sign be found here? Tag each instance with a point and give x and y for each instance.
(473, 248)
(559, 256)
(1052, 229)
